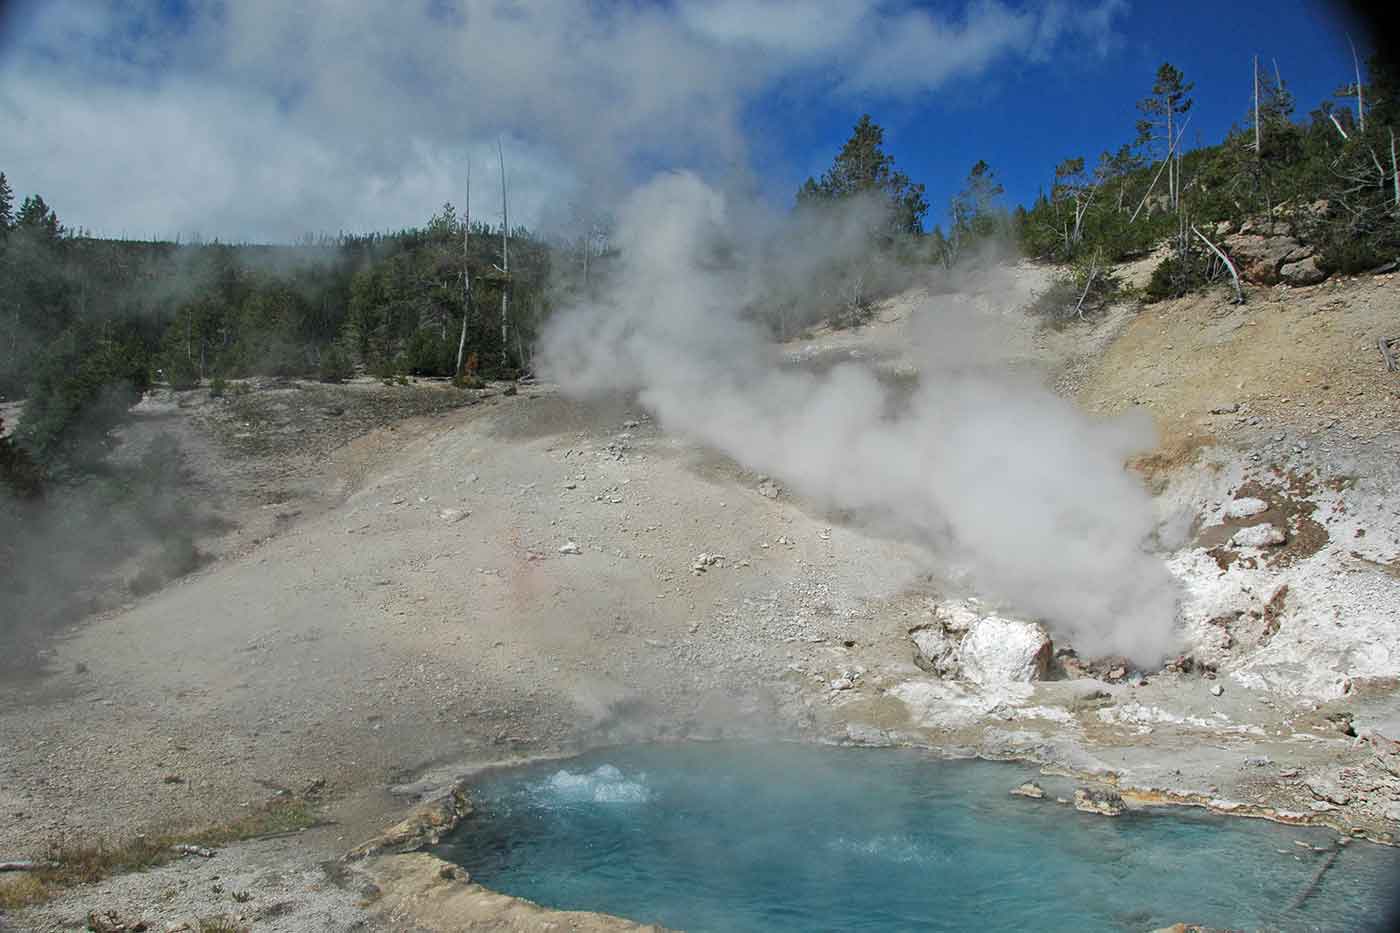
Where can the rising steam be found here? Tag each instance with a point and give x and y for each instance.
(996, 475)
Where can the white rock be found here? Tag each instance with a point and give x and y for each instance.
(1265, 535)
(569, 547)
(1245, 507)
(453, 515)
(957, 615)
(998, 650)
(1216, 690)
(938, 650)
(704, 561)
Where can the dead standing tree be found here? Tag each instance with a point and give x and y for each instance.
(466, 270)
(505, 260)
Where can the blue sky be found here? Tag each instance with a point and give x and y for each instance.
(261, 120)
(1024, 117)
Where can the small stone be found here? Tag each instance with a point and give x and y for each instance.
(570, 547)
(1229, 409)
(1258, 761)
(1216, 690)
(768, 489)
(452, 516)
(1029, 789)
(704, 561)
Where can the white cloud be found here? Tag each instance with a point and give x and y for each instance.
(260, 119)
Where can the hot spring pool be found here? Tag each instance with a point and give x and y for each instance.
(746, 837)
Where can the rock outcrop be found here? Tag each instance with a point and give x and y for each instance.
(1269, 253)
(1103, 802)
(998, 650)
(966, 643)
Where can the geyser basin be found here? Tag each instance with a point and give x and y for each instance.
(784, 837)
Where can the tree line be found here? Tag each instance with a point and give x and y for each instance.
(86, 324)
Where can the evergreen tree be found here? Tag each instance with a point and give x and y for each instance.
(1159, 125)
(7, 204)
(864, 166)
(37, 216)
(975, 212)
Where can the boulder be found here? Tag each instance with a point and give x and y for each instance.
(1260, 255)
(958, 615)
(1029, 789)
(1245, 507)
(1303, 272)
(935, 650)
(1264, 535)
(997, 650)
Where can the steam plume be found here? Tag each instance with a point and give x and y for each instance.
(996, 475)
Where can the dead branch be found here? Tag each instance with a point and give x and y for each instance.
(1338, 125)
(1311, 885)
(1165, 162)
(26, 866)
(1388, 346)
(1234, 273)
(1093, 271)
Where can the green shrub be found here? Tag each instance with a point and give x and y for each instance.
(82, 388)
(1176, 276)
(180, 373)
(18, 471)
(217, 387)
(335, 364)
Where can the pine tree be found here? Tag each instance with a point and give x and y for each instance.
(36, 215)
(974, 207)
(7, 204)
(864, 166)
(1159, 127)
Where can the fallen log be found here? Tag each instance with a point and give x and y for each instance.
(1311, 886)
(25, 866)
(1388, 353)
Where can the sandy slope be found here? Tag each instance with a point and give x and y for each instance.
(429, 621)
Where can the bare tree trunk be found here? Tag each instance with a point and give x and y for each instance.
(1159, 173)
(1394, 170)
(505, 257)
(1234, 273)
(1093, 271)
(1258, 146)
(466, 270)
(1171, 170)
(1360, 103)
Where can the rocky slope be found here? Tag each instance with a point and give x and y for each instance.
(529, 575)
